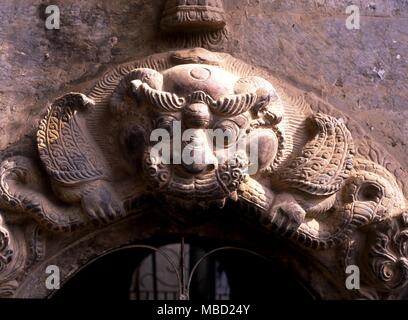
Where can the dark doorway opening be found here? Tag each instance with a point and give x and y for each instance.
(143, 274)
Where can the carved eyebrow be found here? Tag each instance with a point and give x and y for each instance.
(233, 105)
(165, 101)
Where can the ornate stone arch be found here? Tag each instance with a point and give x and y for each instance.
(321, 187)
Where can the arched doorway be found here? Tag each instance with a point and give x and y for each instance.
(209, 270)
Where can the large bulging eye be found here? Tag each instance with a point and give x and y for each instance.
(226, 133)
(133, 140)
(262, 147)
(166, 123)
(369, 192)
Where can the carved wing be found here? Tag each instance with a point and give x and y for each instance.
(325, 162)
(64, 144)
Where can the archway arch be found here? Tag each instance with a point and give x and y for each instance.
(248, 275)
(111, 252)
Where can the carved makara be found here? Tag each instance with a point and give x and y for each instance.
(305, 183)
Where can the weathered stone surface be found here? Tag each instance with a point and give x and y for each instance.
(37, 64)
(362, 72)
(322, 183)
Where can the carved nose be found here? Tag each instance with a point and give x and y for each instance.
(197, 160)
(197, 157)
(196, 115)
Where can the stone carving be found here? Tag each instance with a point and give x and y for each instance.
(6, 251)
(194, 23)
(307, 184)
(189, 16)
(369, 195)
(73, 162)
(384, 259)
(11, 262)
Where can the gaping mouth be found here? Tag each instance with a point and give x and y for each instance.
(217, 184)
(199, 187)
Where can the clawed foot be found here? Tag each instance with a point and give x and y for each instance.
(100, 202)
(286, 215)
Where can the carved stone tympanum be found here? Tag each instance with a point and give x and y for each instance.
(308, 184)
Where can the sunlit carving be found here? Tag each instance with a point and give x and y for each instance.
(309, 185)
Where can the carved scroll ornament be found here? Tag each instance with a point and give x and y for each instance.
(310, 185)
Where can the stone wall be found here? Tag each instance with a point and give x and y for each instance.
(340, 209)
(361, 72)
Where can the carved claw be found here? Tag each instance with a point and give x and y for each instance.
(286, 214)
(100, 202)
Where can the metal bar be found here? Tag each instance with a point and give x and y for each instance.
(214, 251)
(184, 294)
(141, 246)
(154, 267)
